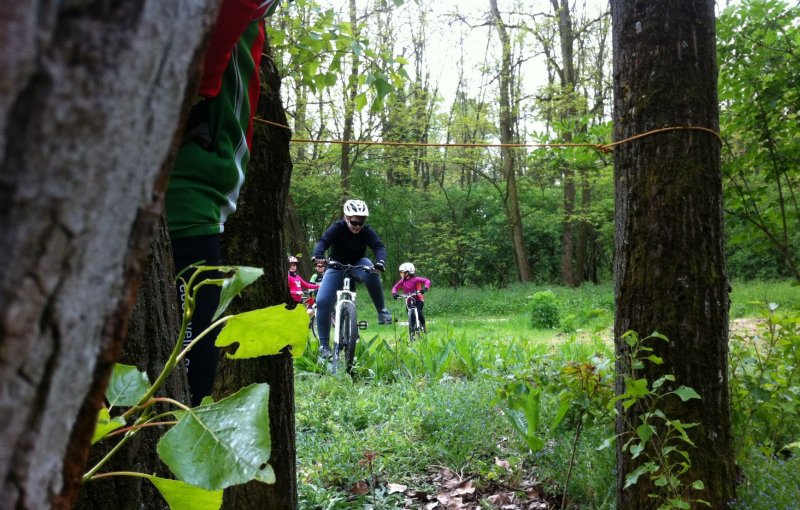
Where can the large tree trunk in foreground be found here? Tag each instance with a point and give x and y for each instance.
(254, 237)
(670, 267)
(91, 95)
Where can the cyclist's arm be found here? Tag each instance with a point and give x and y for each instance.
(308, 286)
(376, 245)
(425, 282)
(234, 16)
(327, 239)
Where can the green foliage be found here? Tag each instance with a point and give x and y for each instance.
(544, 310)
(765, 384)
(315, 45)
(489, 386)
(216, 444)
(769, 482)
(759, 90)
(660, 442)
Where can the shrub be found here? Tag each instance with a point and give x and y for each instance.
(544, 310)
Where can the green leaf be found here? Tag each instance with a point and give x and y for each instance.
(265, 332)
(381, 85)
(632, 478)
(106, 424)
(698, 484)
(183, 496)
(686, 393)
(127, 386)
(361, 101)
(563, 407)
(637, 387)
(645, 432)
(242, 277)
(223, 443)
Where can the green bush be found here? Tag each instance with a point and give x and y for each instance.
(544, 310)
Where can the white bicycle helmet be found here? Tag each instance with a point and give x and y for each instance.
(408, 267)
(356, 208)
(292, 259)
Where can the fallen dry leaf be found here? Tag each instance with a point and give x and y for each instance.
(360, 487)
(396, 487)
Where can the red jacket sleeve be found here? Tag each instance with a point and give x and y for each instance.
(233, 18)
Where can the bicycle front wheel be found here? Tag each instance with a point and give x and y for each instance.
(348, 331)
(412, 324)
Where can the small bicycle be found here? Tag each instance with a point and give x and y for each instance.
(343, 315)
(415, 328)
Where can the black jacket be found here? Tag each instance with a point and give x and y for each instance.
(347, 247)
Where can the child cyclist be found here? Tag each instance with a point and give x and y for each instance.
(297, 285)
(411, 284)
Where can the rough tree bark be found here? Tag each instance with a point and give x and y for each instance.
(669, 268)
(91, 95)
(254, 237)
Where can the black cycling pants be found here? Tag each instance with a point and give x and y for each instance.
(201, 361)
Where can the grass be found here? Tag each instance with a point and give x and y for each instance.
(413, 409)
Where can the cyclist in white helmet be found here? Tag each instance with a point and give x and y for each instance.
(410, 283)
(348, 239)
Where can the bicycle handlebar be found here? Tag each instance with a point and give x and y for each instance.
(348, 267)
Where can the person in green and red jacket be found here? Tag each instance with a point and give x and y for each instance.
(210, 166)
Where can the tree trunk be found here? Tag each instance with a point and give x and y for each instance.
(254, 237)
(510, 198)
(91, 97)
(670, 272)
(350, 104)
(152, 332)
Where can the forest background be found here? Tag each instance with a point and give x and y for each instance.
(429, 91)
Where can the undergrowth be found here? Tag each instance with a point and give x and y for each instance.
(414, 408)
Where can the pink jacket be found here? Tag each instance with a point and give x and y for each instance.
(411, 285)
(297, 285)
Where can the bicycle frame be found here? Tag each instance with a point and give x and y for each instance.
(342, 296)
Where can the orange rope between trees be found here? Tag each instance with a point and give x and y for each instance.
(605, 148)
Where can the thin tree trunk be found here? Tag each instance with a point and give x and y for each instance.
(511, 199)
(350, 104)
(669, 267)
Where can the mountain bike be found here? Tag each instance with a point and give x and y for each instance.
(343, 316)
(415, 329)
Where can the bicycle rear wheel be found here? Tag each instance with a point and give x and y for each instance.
(348, 331)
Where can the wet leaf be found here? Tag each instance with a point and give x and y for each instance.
(220, 444)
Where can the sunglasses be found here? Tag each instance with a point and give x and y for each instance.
(355, 223)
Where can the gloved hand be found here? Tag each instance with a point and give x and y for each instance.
(422, 290)
(394, 295)
(380, 266)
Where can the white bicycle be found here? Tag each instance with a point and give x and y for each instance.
(345, 322)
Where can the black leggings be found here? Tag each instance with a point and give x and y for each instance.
(201, 361)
